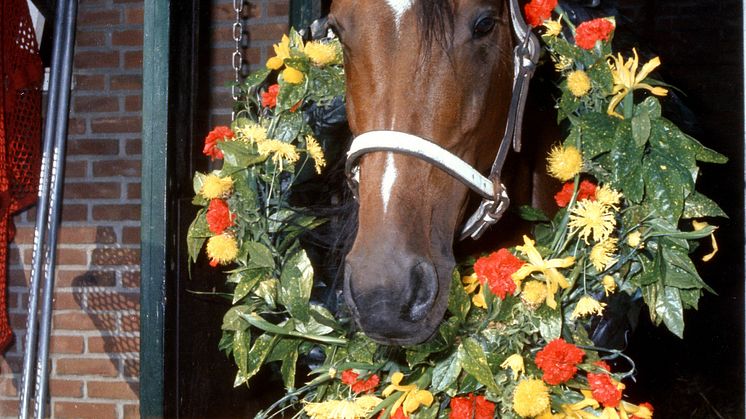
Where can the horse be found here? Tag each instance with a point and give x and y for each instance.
(437, 74)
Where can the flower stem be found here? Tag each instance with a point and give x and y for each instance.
(629, 104)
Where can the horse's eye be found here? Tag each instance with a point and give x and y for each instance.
(484, 26)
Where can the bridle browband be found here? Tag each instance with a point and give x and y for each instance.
(494, 196)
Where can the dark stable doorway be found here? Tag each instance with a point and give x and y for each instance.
(699, 377)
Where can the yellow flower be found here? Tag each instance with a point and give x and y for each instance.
(592, 218)
(534, 293)
(602, 254)
(280, 151)
(251, 133)
(282, 51)
(627, 79)
(215, 186)
(577, 410)
(292, 76)
(609, 284)
(553, 27)
(564, 162)
(531, 398)
(579, 83)
(315, 152)
(321, 53)
(562, 63)
(587, 305)
(609, 196)
(641, 412)
(472, 285)
(699, 226)
(412, 397)
(222, 249)
(515, 363)
(553, 278)
(547, 414)
(342, 409)
(634, 240)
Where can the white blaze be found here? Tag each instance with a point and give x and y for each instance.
(387, 183)
(399, 7)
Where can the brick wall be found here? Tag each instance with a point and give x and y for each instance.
(95, 338)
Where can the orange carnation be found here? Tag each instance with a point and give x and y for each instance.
(559, 361)
(586, 190)
(591, 31)
(219, 216)
(221, 133)
(537, 11)
(496, 270)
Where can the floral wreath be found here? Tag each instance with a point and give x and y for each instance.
(514, 341)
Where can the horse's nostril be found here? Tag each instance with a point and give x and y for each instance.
(423, 288)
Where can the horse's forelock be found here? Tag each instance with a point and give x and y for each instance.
(435, 22)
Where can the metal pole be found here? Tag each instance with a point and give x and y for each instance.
(58, 168)
(42, 211)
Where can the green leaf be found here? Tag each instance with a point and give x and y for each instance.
(241, 341)
(313, 327)
(530, 213)
(296, 282)
(596, 131)
(670, 309)
(233, 321)
(641, 126)
(259, 255)
(697, 205)
(287, 330)
(550, 326)
(287, 369)
(458, 300)
(239, 154)
(473, 360)
(267, 290)
(289, 95)
(626, 162)
(650, 294)
(197, 235)
(247, 280)
(256, 78)
(289, 126)
(703, 153)
(198, 181)
(651, 106)
(362, 349)
(283, 348)
(667, 184)
(690, 298)
(679, 270)
(257, 354)
(445, 373)
(226, 342)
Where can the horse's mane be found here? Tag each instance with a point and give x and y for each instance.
(435, 19)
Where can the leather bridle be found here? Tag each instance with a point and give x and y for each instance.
(494, 196)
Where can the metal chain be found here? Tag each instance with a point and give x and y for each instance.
(237, 57)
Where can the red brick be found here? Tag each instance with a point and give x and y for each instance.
(98, 104)
(89, 82)
(76, 169)
(11, 364)
(67, 301)
(75, 321)
(98, 17)
(134, 16)
(87, 235)
(131, 279)
(66, 388)
(131, 235)
(92, 190)
(116, 124)
(90, 39)
(65, 256)
(84, 410)
(18, 278)
(133, 59)
(72, 212)
(14, 256)
(108, 168)
(76, 126)
(117, 212)
(133, 103)
(133, 147)
(75, 366)
(8, 387)
(267, 32)
(66, 345)
(9, 407)
(131, 37)
(86, 279)
(115, 256)
(278, 8)
(131, 323)
(134, 191)
(113, 344)
(110, 301)
(131, 368)
(112, 390)
(96, 59)
(93, 147)
(126, 82)
(131, 411)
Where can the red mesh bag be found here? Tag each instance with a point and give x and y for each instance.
(20, 131)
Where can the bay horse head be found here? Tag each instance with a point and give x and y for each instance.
(421, 74)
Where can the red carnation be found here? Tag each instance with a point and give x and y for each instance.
(647, 405)
(604, 390)
(470, 406)
(591, 31)
(349, 377)
(399, 414)
(602, 364)
(586, 190)
(496, 269)
(559, 361)
(221, 133)
(269, 98)
(219, 216)
(537, 11)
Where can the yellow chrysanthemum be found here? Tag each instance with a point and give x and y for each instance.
(315, 152)
(282, 51)
(411, 398)
(533, 294)
(609, 196)
(222, 249)
(553, 27)
(473, 285)
(515, 363)
(547, 414)
(342, 409)
(699, 226)
(602, 254)
(321, 53)
(251, 133)
(592, 219)
(564, 162)
(634, 240)
(609, 284)
(579, 83)
(280, 151)
(627, 79)
(292, 76)
(587, 305)
(548, 268)
(531, 398)
(215, 186)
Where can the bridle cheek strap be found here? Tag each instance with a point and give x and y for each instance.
(495, 199)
